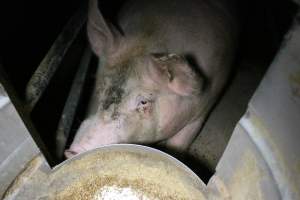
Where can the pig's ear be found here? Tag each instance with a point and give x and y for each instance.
(103, 37)
(181, 77)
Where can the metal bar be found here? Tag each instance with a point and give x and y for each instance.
(43, 74)
(25, 116)
(69, 110)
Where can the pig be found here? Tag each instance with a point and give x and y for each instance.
(161, 69)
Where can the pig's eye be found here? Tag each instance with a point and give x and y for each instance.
(143, 104)
(142, 101)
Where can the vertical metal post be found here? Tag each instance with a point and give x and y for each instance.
(70, 107)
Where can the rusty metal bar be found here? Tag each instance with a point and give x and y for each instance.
(43, 74)
(69, 110)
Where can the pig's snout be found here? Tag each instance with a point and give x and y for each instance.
(70, 153)
(74, 150)
(94, 133)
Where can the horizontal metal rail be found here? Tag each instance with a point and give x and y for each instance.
(70, 107)
(43, 74)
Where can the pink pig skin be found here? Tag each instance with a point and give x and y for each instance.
(161, 71)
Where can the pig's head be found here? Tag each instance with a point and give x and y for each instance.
(142, 97)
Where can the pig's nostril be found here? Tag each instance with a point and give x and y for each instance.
(70, 153)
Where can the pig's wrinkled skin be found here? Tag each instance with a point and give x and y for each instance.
(161, 71)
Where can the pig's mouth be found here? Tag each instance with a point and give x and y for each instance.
(71, 152)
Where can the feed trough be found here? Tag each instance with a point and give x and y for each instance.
(120, 171)
(126, 172)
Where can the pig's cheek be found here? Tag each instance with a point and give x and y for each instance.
(170, 116)
(131, 127)
(125, 127)
(164, 114)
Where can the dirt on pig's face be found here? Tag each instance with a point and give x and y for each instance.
(137, 104)
(124, 104)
